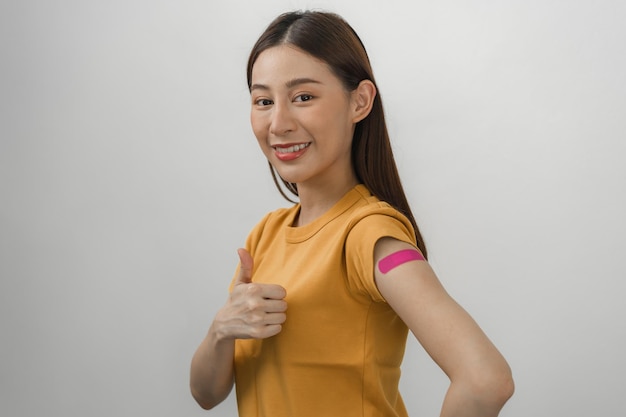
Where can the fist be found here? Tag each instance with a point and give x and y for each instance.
(253, 310)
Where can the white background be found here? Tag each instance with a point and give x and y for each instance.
(129, 175)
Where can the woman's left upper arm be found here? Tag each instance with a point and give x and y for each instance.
(445, 330)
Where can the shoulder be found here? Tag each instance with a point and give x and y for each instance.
(373, 219)
(270, 224)
(278, 216)
(370, 222)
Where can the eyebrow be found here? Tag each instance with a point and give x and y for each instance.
(289, 84)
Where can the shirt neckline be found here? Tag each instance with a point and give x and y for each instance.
(302, 233)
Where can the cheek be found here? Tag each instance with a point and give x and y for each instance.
(338, 124)
(258, 126)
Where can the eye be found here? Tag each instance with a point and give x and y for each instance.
(303, 97)
(263, 102)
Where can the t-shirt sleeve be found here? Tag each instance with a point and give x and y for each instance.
(360, 244)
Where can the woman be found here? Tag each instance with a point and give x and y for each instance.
(326, 291)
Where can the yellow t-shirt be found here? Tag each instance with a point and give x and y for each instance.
(340, 349)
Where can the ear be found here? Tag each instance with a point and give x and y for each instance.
(363, 100)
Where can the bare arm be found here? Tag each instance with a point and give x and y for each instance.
(480, 378)
(253, 311)
(212, 375)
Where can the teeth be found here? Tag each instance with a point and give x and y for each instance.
(294, 148)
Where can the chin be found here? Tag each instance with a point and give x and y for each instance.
(288, 173)
(290, 178)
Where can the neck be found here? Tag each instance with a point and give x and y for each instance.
(315, 200)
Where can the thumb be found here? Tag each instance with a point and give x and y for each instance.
(245, 269)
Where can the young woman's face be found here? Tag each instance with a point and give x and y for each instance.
(302, 117)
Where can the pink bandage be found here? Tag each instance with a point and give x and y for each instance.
(398, 258)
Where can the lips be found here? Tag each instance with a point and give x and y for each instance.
(290, 152)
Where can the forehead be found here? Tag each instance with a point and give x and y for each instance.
(280, 64)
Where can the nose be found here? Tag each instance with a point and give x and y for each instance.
(282, 120)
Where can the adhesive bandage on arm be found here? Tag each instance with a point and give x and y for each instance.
(398, 258)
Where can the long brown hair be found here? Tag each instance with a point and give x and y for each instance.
(331, 39)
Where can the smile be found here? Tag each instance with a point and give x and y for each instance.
(292, 148)
(290, 152)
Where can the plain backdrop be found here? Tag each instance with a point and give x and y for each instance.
(129, 175)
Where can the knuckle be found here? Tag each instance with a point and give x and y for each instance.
(257, 333)
(253, 304)
(253, 289)
(256, 319)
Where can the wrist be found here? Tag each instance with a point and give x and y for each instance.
(218, 334)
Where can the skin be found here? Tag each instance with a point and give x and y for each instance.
(481, 380)
(296, 101)
(252, 311)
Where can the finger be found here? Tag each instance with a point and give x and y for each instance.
(275, 306)
(269, 331)
(272, 291)
(245, 268)
(257, 290)
(275, 318)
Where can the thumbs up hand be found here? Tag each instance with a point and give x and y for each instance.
(253, 310)
(245, 269)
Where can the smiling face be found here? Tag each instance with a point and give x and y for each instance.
(303, 117)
